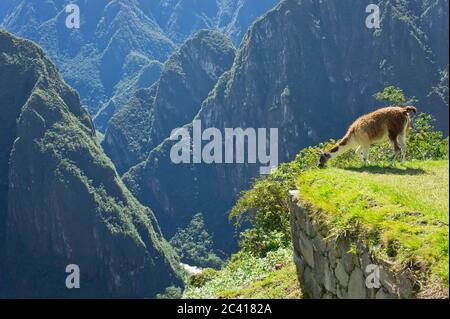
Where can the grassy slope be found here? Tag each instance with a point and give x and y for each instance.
(248, 277)
(404, 210)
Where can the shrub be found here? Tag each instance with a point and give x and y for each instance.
(392, 95)
(241, 271)
(199, 280)
(194, 244)
(425, 142)
(171, 292)
(265, 206)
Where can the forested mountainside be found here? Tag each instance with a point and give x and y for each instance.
(187, 78)
(307, 68)
(61, 199)
(121, 44)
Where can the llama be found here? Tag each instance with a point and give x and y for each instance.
(389, 122)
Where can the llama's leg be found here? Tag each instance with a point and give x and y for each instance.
(365, 154)
(402, 142)
(393, 138)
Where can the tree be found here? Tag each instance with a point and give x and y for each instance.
(392, 95)
(194, 244)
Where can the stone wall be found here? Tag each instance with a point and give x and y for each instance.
(342, 268)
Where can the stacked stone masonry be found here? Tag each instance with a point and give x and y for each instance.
(329, 268)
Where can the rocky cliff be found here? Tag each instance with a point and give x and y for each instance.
(308, 68)
(61, 200)
(187, 78)
(181, 18)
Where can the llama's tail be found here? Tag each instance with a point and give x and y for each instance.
(406, 111)
(410, 108)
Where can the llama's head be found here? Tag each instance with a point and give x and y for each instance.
(324, 157)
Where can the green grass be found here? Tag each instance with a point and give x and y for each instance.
(279, 284)
(249, 277)
(402, 210)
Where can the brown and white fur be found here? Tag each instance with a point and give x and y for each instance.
(386, 123)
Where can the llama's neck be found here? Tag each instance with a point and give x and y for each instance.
(341, 148)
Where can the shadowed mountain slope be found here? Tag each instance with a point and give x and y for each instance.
(61, 200)
(187, 78)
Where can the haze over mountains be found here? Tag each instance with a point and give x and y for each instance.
(306, 67)
(122, 43)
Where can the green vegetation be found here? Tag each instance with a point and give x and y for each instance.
(171, 292)
(117, 58)
(76, 193)
(392, 95)
(441, 88)
(129, 133)
(273, 80)
(247, 276)
(265, 205)
(409, 203)
(104, 60)
(194, 245)
(268, 215)
(402, 210)
(151, 114)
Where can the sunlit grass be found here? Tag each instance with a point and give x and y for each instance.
(403, 210)
(250, 277)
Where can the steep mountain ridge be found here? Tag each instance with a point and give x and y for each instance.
(187, 78)
(231, 16)
(118, 39)
(93, 57)
(308, 68)
(61, 200)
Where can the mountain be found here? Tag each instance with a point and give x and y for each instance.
(121, 44)
(307, 68)
(61, 199)
(187, 78)
(104, 57)
(181, 18)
